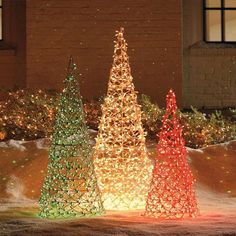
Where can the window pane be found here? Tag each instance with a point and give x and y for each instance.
(0, 23)
(213, 25)
(213, 3)
(230, 25)
(230, 3)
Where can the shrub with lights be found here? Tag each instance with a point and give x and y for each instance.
(120, 156)
(171, 194)
(27, 114)
(199, 129)
(70, 187)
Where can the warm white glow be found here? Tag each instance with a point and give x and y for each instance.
(121, 162)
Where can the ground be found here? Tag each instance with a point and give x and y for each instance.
(23, 166)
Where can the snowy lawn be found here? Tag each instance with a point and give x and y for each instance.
(23, 166)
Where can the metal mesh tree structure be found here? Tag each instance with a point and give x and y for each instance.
(171, 194)
(70, 187)
(121, 162)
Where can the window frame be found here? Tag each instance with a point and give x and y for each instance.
(222, 10)
(1, 20)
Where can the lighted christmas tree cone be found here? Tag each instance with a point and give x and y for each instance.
(171, 194)
(70, 188)
(121, 161)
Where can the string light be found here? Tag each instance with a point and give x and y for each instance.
(171, 194)
(70, 187)
(120, 156)
(27, 114)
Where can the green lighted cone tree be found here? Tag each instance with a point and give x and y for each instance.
(70, 187)
(120, 158)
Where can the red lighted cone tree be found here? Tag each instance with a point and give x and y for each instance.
(121, 162)
(171, 194)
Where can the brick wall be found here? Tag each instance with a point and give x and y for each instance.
(212, 77)
(12, 48)
(209, 79)
(85, 29)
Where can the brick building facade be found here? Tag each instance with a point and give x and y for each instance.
(40, 35)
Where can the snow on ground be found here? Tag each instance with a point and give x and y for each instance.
(23, 166)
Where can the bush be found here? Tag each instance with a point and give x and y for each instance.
(199, 130)
(30, 115)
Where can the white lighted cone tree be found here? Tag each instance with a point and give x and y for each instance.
(121, 162)
(70, 187)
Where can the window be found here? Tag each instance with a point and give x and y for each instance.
(0, 19)
(219, 17)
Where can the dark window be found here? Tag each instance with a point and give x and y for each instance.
(219, 17)
(0, 19)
